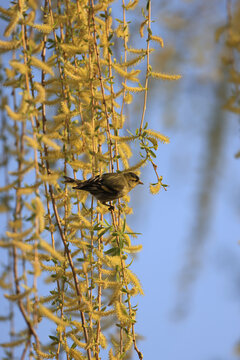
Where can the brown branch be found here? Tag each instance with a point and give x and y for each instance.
(20, 304)
(91, 9)
(148, 67)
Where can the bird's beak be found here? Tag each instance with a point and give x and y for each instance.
(140, 182)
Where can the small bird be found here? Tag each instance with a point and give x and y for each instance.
(107, 187)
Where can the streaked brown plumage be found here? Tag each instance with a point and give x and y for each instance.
(107, 187)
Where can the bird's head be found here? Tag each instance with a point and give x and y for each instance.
(132, 179)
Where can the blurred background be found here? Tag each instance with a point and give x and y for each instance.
(190, 264)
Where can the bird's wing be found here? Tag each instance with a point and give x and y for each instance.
(113, 182)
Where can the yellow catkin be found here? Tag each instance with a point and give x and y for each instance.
(9, 45)
(24, 171)
(128, 98)
(37, 268)
(102, 6)
(42, 355)
(44, 28)
(14, 115)
(126, 149)
(18, 297)
(16, 224)
(158, 39)
(162, 76)
(50, 250)
(123, 158)
(100, 314)
(122, 31)
(24, 103)
(23, 246)
(7, 12)
(3, 284)
(128, 343)
(153, 141)
(11, 83)
(115, 295)
(155, 188)
(34, 4)
(127, 75)
(110, 261)
(103, 341)
(100, 21)
(125, 153)
(122, 313)
(18, 236)
(75, 354)
(133, 249)
(60, 117)
(65, 108)
(47, 299)
(48, 313)
(133, 89)
(13, 343)
(50, 179)
(41, 93)
(30, 18)
(158, 136)
(77, 342)
(12, 24)
(111, 356)
(27, 190)
(45, 139)
(78, 164)
(41, 65)
(36, 48)
(138, 165)
(32, 142)
(123, 138)
(80, 72)
(10, 73)
(137, 51)
(8, 187)
(40, 212)
(134, 280)
(77, 49)
(131, 5)
(133, 61)
(3, 209)
(143, 24)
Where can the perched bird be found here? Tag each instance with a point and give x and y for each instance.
(107, 187)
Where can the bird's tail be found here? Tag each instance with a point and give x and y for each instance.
(78, 183)
(68, 180)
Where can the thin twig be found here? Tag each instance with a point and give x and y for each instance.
(148, 67)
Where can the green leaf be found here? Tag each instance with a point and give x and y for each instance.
(152, 153)
(97, 227)
(124, 224)
(74, 345)
(103, 232)
(113, 251)
(54, 338)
